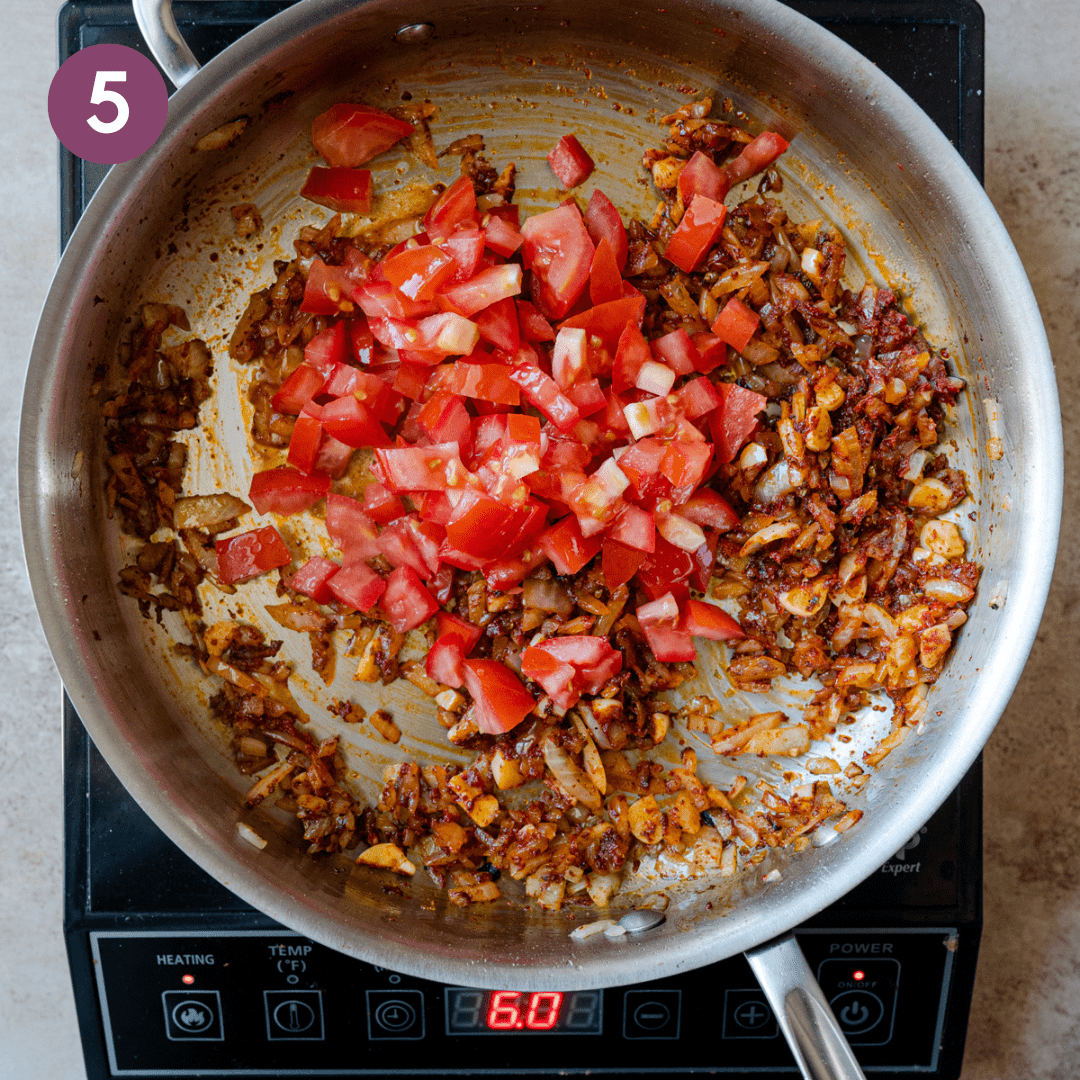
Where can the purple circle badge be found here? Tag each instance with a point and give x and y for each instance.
(108, 103)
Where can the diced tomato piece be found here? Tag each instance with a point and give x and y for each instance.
(710, 510)
(361, 340)
(346, 191)
(605, 281)
(702, 176)
(659, 622)
(329, 289)
(449, 625)
(635, 528)
(349, 135)
(711, 352)
(304, 442)
(592, 663)
(369, 390)
(498, 324)
(511, 571)
(695, 234)
(445, 420)
(570, 162)
(736, 324)
(250, 553)
(454, 209)
(756, 157)
(735, 420)
(286, 491)
(405, 601)
(358, 586)
(588, 396)
(602, 221)
(554, 675)
(406, 543)
(379, 299)
(677, 351)
(329, 349)
(351, 530)
(298, 389)
(418, 271)
(704, 561)
(566, 547)
(333, 457)
(698, 397)
(421, 468)
(534, 327)
(488, 382)
(410, 380)
(503, 237)
(488, 287)
(619, 563)
(433, 506)
(466, 248)
(353, 423)
(685, 465)
(441, 586)
(312, 579)
(543, 392)
(706, 620)
(502, 702)
(666, 567)
(445, 662)
(559, 252)
(569, 357)
(632, 352)
(607, 321)
(481, 526)
(381, 504)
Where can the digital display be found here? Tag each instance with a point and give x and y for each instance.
(505, 1012)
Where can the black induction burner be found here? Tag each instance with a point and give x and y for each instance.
(174, 976)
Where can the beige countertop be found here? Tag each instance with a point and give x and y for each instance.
(1025, 1017)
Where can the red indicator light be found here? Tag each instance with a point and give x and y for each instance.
(187, 980)
(859, 976)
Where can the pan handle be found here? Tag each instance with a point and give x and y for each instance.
(808, 1024)
(158, 27)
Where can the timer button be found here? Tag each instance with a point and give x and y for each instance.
(395, 1014)
(651, 1014)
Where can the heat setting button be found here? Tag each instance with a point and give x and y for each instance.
(294, 1015)
(651, 1014)
(193, 1015)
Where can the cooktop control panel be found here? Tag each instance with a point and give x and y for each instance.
(236, 1002)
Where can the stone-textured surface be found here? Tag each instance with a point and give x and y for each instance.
(1026, 1013)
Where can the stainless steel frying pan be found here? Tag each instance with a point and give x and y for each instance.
(863, 155)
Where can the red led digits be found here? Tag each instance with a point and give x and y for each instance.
(503, 1014)
(543, 1013)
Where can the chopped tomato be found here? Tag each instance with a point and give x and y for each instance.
(488, 287)
(543, 392)
(250, 553)
(498, 324)
(708, 509)
(466, 633)
(677, 351)
(352, 532)
(569, 357)
(502, 236)
(381, 504)
(736, 324)
(559, 252)
(313, 579)
(358, 586)
(667, 567)
(419, 271)
(698, 397)
(405, 601)
(593, 659)
(350, 421)
(602, 221)
(630, 355)
(570, 162)
(329, 289)
(588, 396)
(756, 157)
(411, 542)
(702, 176)
(693, 237)
(501, 700)
(298, 389)
(361, 340)
(466, 248)
(481, 526)
(454, 209)
(566, 547)
(534, 327)
(706, 620)
(606, 322)
(510, 571)
(349, 135)
(445, 662)
(711, 352)
(304, 442)
(634, 527)
(488, 382)
(554, 675)
(421, 468)
(733, 422)
(346, 191)
(619, 563)
(659, 622)
(286, 491)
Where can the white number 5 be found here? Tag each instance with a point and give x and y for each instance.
(99, 95)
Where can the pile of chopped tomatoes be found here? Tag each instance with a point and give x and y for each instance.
(517, 414)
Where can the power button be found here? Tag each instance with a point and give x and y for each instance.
(861, 992)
